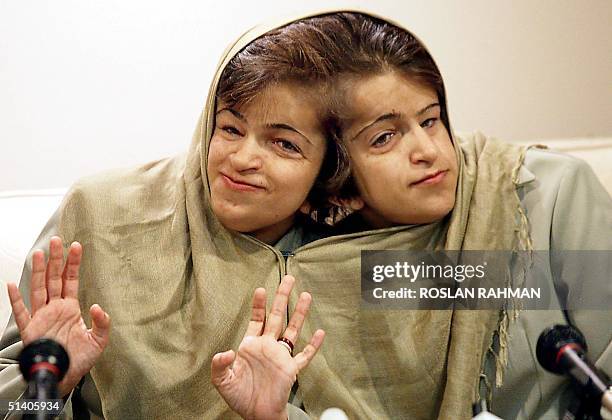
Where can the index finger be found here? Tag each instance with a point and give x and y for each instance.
(274, 324)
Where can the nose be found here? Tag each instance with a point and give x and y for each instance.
(423, 147)
(246, 157)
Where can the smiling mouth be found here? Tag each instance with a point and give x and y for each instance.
(239, 185)
(432, 179)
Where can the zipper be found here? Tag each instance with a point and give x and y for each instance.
(286, 255)
(280, 256)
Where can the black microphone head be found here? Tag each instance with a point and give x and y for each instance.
(44, 352)
(552, 340)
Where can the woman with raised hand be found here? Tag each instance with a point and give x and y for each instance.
(175, 303)
(173, 250)
(470, 192)
(415, 185)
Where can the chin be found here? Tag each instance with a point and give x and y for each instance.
(430, 215)
(241, 225)
(437, 216)
(441, 212)
(240, 221)
(232, 218)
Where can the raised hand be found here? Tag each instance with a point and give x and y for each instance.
(256, 381)
(56, 313)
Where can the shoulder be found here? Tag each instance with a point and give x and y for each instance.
(123, 196)
(143, 176)
(547, 164)
(567, 206)
(548, 169)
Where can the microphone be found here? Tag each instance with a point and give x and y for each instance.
(43, 364)
(333, 413)
(481, 412)
(562, 349)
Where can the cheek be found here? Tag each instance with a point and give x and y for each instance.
(295, 180)
(215, 153)
(446, 146)
(451, 157)
(304, 175)
(361, 167)
(371, 178)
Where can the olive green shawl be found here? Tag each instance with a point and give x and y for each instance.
(178, 287)
(410, 364)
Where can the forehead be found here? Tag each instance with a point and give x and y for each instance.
(372, 96)
(287, 103)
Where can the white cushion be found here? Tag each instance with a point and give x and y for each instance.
(23, 214)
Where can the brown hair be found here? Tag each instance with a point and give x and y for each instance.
(365, 46)
(296, 53)
(321, 51)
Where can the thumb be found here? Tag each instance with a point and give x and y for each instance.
(100, 328)
(220, 367)
(22, 316)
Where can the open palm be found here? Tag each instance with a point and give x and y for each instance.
(256, 381)
(56, 313)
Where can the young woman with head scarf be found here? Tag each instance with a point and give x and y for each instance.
(175, 249)
(396, 130)
(374, 364)
(417, 186)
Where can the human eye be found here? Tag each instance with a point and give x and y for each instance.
(429, 122)
(231, 130)
(382, 139)
(287, 146)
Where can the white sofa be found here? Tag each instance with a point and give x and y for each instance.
(24, 213)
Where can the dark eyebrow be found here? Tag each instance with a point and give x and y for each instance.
(384, 117)
(281, 126)
(394, 115)
(233, 112)
(427, 108)
(278, 126)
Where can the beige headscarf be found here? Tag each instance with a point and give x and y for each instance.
(178, 287)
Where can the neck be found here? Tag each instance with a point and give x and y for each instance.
(374, 220)
(271, 234)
